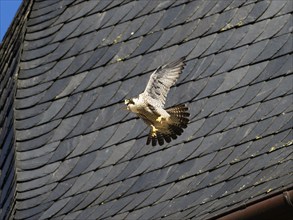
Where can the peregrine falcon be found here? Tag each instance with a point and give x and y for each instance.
(165, 124)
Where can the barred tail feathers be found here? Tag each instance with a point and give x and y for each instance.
(178, 117)
(176, 123)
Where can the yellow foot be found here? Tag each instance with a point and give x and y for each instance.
(154, 130)
(160, 119)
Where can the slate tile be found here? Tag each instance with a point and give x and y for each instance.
(242, 133)
(253, 53)
(129, 169)
(273, 47)
(108, 191)
(141, 196)
(249, 95)
(149, 23)
(273, 9)
(266, 89)
(40, 5)
(209, 124)
(55, 55)
(178, 37)
(225, 139)
(203, 26)
(164, 38)
(61, 189)
(85, 121)
(135, 8)
(204, 145)
(94, 58)
(154, 210)
(116, 156)
(202, 45)
(35, 162)
(39, 24)
(105, 95)
(34, 132)
(29, 73)
(264, 110)
(116, 34)
(56, 88)
(148, 180)
(102, 117)
(232, 79)
(42, 33)
(120, 14)
(53, 110)
(28, 102)
(30, 112)
(70, 103)
(259, 129)
(287, 26)
(81, 163)
(109, 55)
(270, 69)
(188, 9)
(273, 27)
(34, 212)
(219, 42)
(203, 10)
(102, 137)
(155, 196)
(85, 9)
(81, 181)
(96, 39)
(81, 43)
(285, 121)
(39, 52)
(162, 158)
(57, 206)
(85, 101)
(122, 190)
(169, 16)
(66, 30)
(76, 66)
(34, 143)
(65, 127)
(212, 85)
(58, 69)
(219, 8)
(114, 208)
(229, 100)
(285, 49)
(85, 213)
(37, 173)
(72, 203)
(234, 60)
(64, 148)
(27, 92)
(147, 9)
(146, 43)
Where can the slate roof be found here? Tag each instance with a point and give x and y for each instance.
(70, 64)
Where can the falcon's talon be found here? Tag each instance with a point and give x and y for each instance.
(159, 119)
(154, 130)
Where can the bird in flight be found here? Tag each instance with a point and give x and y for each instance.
(165, 124)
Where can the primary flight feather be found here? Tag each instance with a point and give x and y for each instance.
(165, 124)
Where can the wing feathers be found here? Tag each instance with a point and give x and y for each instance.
(162, 79)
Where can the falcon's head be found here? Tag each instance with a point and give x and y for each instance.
(130, 103)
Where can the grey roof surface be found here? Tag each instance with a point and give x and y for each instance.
(79, 156)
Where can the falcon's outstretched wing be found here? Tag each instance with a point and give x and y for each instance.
(162, 79)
